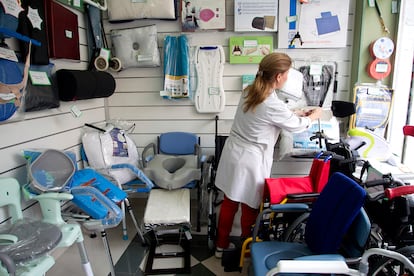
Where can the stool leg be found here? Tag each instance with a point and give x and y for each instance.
(108, 251)
(86, 265)
(124, 227)
(131, 213)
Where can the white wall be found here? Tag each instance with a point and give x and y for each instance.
(137, 99)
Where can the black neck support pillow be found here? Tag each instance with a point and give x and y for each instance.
(83, 85)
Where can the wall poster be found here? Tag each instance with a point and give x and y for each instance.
(315, 24)
(254, 16)
(203, 15)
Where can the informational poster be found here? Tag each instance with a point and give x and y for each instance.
(254, 16)
(203, 15)
(315, 24)
(249, 49)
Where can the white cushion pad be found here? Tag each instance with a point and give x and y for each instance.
(167, 207)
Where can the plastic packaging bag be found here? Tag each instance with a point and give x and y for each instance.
(176, 67)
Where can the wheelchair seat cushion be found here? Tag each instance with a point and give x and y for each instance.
(34, 239)
(173, 172)
(266, 257)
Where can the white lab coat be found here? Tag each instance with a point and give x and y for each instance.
(247, 155)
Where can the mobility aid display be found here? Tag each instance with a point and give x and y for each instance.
(337, 211)
(389, 206)
(112, 153)
(289, 189)
(27, 243)
(91, 199)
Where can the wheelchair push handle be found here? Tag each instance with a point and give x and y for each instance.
(392, 193)
(387, 181)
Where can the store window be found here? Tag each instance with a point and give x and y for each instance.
(402, 112)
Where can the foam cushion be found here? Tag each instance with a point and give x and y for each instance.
(173, 172)
(83, 85)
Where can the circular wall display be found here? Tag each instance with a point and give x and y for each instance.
(382, 48)
(379, 69)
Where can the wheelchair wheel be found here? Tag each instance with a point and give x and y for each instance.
(295, 232)
(384, 266)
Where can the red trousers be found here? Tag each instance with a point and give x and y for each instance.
(227, 212)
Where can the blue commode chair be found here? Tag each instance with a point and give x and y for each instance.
(175, 162)
(337, 228)
(174, 166)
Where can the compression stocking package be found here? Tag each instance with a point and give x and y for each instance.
(176, 67)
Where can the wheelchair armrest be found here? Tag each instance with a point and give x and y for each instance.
(146, 157)
(302, 196)
(323, 266)
(290, 208)
(364, 264)
(50, 204)
(139, 173)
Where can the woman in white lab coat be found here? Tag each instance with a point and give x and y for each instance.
(247, 155)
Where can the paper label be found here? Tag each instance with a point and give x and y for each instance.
(12, 7)
(39, 78)
(35, 19)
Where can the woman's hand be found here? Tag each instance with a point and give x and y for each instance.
(315, 113)
(301, 112)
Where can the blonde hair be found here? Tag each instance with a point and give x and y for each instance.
(271, 65)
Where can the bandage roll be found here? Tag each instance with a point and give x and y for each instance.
(82, 85)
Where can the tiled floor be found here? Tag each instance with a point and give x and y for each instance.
(129, 256)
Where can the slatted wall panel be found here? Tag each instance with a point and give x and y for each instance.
(137, 95)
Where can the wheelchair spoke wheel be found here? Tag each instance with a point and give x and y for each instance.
(387, 267)
(296, 230)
